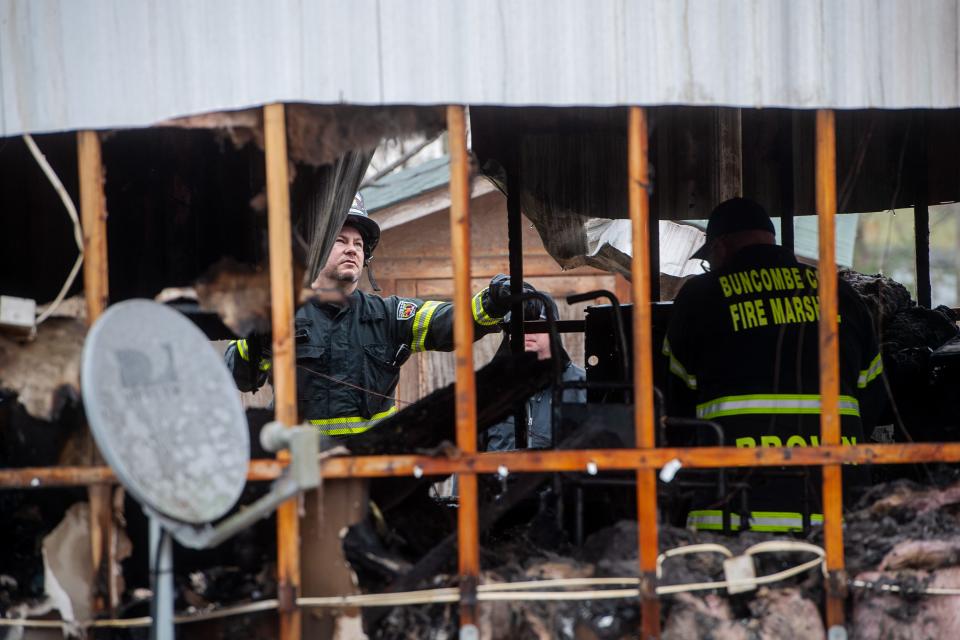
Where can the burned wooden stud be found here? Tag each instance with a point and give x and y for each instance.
(536, 461)
(93, 216)
(643, 414)
(423, 426)
(653, 243)
(96, 286)
(627, 459)
(921, 221)
(921, 230)
(284, 373)
(515, 253)
(465, 387)
(786, 231)
(826, 199)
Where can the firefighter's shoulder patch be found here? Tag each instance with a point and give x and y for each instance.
(406, 310)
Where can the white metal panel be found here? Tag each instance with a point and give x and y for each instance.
(70, 64)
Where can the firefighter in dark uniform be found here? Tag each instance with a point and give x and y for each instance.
(742, 345)
(350, 344)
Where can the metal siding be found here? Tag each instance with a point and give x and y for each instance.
(115, 63)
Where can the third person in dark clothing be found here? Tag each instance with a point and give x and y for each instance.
(538, 407)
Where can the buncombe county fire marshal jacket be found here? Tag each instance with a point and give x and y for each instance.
(349, 357)
(744, 343)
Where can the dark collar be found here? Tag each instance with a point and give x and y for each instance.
(370, 306)
(749, 256)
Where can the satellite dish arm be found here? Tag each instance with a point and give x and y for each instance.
(302, 474)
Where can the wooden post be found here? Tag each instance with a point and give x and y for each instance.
(93, 217)
(643, 413)
(515, 254)
(921, 219)
(921, 238)
(284, 372)
(826, 199)
(466, 396)
(96, 287)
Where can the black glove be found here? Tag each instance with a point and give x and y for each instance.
(255, 344)
(498, 295)
(259, 346)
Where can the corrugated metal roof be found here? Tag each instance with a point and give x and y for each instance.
(72, 64)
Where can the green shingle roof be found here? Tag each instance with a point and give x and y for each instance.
(407, 184)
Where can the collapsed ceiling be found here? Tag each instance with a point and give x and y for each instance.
(572, 163)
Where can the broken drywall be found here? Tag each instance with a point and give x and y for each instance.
(44, 372)
(68, 566)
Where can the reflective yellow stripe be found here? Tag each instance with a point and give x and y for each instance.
(480, 315)
(349, 425)
(346, 431)
(351, 419)
(773, 403)
(242, 349)
(773, 521)
(677, 368)
(421, 325)
(244, 352)
(871, 372)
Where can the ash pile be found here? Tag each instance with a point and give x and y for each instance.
(901, 546)
(901, 540)
(921, 358)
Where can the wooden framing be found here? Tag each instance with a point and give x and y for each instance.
(645, 459)
(643, 412)
(96, 287)
(468, 534)
(93, 217)
(284, 363)
(396, 466)
(826, 199)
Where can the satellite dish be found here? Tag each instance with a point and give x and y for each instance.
(165, 412)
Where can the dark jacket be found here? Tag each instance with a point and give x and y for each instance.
(501, 436)
(349, 357)
(743, 347)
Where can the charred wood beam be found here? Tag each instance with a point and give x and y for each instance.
(515, 251)
(491, 511)
(537, 461)
(921, 219)
(284, 357)
(428, 423)
(921, 230)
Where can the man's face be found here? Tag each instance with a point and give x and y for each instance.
(345, 263)
(538, 343)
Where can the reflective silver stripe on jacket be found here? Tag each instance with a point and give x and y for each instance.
(421, 325)
(677, 368)
(771, 403)
(871, 372)
(480, 315)
(350, 425)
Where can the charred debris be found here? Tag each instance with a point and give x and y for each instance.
(187, 224)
